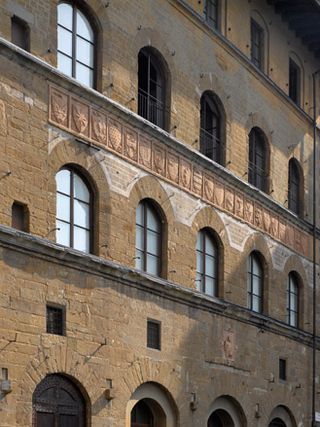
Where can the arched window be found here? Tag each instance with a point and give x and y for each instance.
(141, 415)
(255, 283)
(220, 418)
(76, 43)
(148, 238)
(258, 160)
(292, 300)
(207, 263)
(294, 188)
(210, 131)
(152, 97)
(73, 220)
(58, 402)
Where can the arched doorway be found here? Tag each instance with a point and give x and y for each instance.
(220, 418)
(57, 402)
(277, 422)
(141, 415)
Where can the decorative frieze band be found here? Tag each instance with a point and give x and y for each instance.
(86, 121)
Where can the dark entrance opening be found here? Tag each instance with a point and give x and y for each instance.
(57, 402)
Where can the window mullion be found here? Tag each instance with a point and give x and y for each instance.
(71, 209)
(74, 23)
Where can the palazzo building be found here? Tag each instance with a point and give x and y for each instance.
(157, 227)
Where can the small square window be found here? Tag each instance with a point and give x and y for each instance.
(55, 320)
(282, 369)
(20, 33)
(154, 334)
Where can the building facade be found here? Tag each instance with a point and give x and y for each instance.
(156, 184)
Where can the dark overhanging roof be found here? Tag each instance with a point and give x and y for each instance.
(303, 17)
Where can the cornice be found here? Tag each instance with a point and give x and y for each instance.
(118, 275)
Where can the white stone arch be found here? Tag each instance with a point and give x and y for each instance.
(232, 409)
(159, 401)
(283, 413)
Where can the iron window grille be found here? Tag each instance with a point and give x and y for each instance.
(76, 44)
(258, 158)
(207, 263)
(257, 45)
(210, 142)
(292, 316)
(148, 238)
(151, 89)
(255, 283)
(154, 334)
(55, 320)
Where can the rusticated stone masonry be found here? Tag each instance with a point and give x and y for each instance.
(86, 121)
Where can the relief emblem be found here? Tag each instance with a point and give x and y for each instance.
(185, 174)
(115, 136)
(131, 145)
(98, 127)
(208, 189)
(80, 118)
(173, 167)
(145, 153)
(159, 160)
(197, 182)
(59, 108)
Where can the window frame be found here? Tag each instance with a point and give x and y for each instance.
(255, 256)
(149, 343)
(155, 60)
(15, 20)
(202, 254)
(294, 91)
(74, 171)
(293, 320)
(147, 206)
(88, 15)
(213, 23)
(208, 101)
(258, 149)
(62, 310)
(257, 31)
(295, 187)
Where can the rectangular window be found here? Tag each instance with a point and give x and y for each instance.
(20, 33)
(211, 13)
(55, 320)
(282, 369)
(154, 334)
(19, 217)
(294, 82)
(257, 44)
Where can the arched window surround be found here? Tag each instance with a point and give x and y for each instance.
(95, 40)
(295, 187)
(154, 87)
(208, 262)
(212, 127)
(147, 210)
(258, 160)
(76, 170)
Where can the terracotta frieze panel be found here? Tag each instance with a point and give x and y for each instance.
(96, 125)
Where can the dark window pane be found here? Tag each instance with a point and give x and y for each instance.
(211, 13)
(282, 369)
(255, 283)
(294, 81)
(257, 44)
(294, 188)
(207, 263)
(210, 143)
(153, 334)
(19, 217)
(20, 33)
(55, 320)
(151, 89)
(257, 174)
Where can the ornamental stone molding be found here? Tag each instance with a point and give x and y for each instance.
(95, 125)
